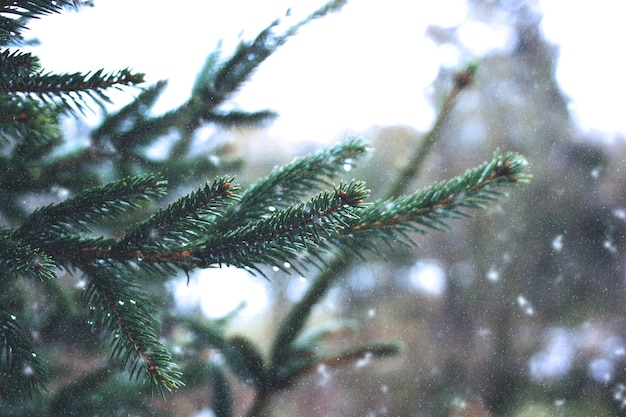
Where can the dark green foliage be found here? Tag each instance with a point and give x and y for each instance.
(186, 235)
(22, 369)
(15, 14)
(19, 258)
(70, 90)
(108, 232)
(127, 318)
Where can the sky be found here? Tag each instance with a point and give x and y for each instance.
(367, 65)
(346, 72)
(591, 63)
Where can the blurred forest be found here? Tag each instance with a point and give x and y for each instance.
(530, 318)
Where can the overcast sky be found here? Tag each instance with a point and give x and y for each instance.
(370, 64)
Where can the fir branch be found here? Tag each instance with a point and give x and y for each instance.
(430, 208)
(362, 353)
(184, 220)
(31, 124)
(313, 336)
(127, 317)
(10, 30)
(71, 91)
(218, 83)
(115, 127)
(206, 76)
(241, 119)
(18, 64)
(234, 72)
(282, 236)
(246, 361)
(14, 14)
(330, 7)
(73, 250)
(19, 363)
(289, 184)
(89, 207)
(33, 8)
(299, 365)
(19, 258)
(395, 218)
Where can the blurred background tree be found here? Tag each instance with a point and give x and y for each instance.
(517, 312)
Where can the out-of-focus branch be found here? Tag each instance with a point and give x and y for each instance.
(462, 80)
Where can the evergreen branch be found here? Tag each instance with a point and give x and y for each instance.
(18, 64)
(10, 30)
(243, 358)
(14, 14)
(241, 119)
(19, 363)
(234, 72)
(303, 352)
(322, 331)
(73, 250)
(206, 76)
(71, 90)
(289, 184)
(128, 319)
(90, 206)
(183, 221)
(29, 123)
(299, 366)
(246, 361)
(282, 236)
(217, 84)
(33, 8)
(362, 353)
(175, 235)
(430, 208)
(394, 218)
(115, 127)
(19, 258)
(330, 7)
(285, 342)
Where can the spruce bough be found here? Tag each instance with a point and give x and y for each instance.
(220, 224)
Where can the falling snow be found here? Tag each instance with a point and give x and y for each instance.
(525, 305)
(493, 275)
(601, 370)
(556, 358)
(557, 243)
(428, 277)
